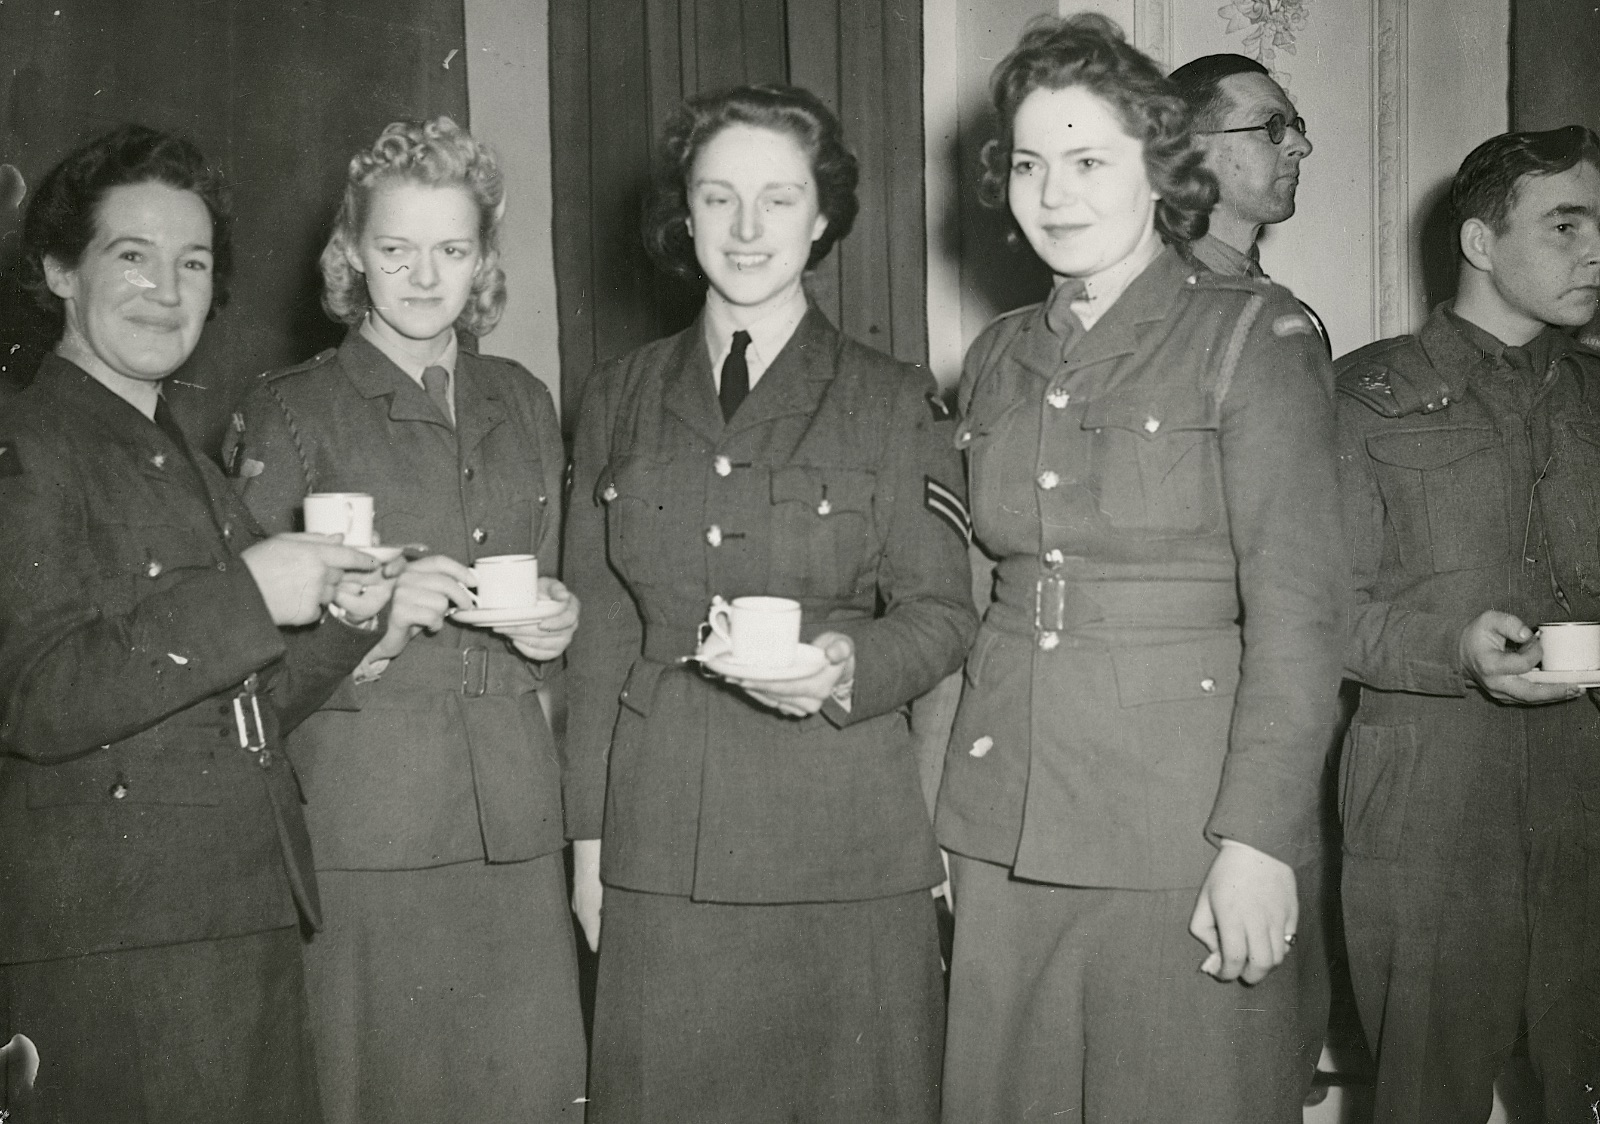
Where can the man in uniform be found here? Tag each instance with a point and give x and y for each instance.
(1470, 795)
(1253, 139)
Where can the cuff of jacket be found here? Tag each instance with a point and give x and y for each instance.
(1424, 658)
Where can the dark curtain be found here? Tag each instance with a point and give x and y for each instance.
(618, 67)
(279, 94)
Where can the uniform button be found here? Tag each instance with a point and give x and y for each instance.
(610, 493)
(1058, 399)
(1445, 401)
(1209, 686)
(159, 460)
(1152, 424)
(1049, 641)
(480, 536)
(119, 791)
(1054, 558)
(227, 530)
(224, 709)
(714, 535)
(469, 472)
(153, 570)
(825, 507)
(1048, 480)
(266, 758)
(722, 466)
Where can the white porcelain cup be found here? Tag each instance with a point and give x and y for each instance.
(1570, 645)
(761, 631)
(341, 513)
(507, 581)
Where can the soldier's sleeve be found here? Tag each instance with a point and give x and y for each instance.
(1389, 647)
(610, 636)
(1280, 482)
(924, 580)
(265, 455)
(73, 677)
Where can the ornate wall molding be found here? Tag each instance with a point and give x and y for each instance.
(1391, 243)
(1152, 30)
(1272, 26)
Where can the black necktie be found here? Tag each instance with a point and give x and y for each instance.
(735, 377)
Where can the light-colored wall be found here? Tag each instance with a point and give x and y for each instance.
(1395, 93)
(508, 88)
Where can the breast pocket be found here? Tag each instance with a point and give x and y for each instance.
(139, 559)
(142, 770)
(822, 530)
(1444, 492)
(648, 514)
(1155, 465)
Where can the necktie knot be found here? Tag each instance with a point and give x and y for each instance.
(735, 382)
(1059, 317)
(436, 381)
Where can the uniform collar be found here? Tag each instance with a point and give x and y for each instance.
(1219, 257)
(413, 369)
(1102, 290)
(768, 335)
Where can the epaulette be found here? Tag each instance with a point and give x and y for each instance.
(317, 360)
(1205, 279)
(1015, 312)
(1393, 378)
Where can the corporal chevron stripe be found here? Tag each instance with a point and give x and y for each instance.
(947, 506)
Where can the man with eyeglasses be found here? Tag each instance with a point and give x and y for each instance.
(1469, 470)
(1253, 139)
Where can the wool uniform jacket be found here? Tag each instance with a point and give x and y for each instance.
(1159, 665)
(447, 757)
(130, 813)
(837, 484)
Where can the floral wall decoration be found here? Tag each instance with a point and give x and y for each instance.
(1272, 25)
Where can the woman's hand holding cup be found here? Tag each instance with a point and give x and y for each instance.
(299, 573)
(427, 590)
(547, 637)
(799, 698)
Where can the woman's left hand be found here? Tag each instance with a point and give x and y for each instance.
(801, 697)
(547, 638)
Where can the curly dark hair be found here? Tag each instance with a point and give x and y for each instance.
(1485, 187)
(1089, 50)
(784, 109)
(62, 214)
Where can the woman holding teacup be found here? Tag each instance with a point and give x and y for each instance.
(769, 943)
(444, 986)
(155, 645)
(1132, 779)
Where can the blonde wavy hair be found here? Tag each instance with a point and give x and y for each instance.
(437, 153)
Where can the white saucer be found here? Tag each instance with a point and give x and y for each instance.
(500, 618)
(384, 554)
(1587, 678)
(716, 656)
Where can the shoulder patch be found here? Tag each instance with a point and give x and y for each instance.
(1369, 383)
(311, 364)
(10, 459)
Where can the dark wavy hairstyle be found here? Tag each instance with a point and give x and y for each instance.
(1089, 50)
(1486, 185)
(61, 217)
(791, 110)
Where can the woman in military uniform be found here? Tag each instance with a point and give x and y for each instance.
(770, 950)
(156, 873)
(1133, 772)
(444, 986)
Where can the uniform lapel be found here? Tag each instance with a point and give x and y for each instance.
(689, 390)
(374, 376)
(478, 406)
(1125, 328)
(797, 378)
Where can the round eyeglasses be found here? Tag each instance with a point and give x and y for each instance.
(1274, 126)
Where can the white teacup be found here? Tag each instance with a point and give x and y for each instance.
(507, 581)
(1570, 645)
(341, 513)
(761, 631)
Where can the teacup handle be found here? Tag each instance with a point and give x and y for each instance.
(721, 620)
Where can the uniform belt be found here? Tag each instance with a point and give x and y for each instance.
(473, 672)
(1053, 604)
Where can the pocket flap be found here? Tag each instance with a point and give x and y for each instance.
(639, 692)
(824, 489)
(1587, 432)
(1151, 415)
(1199, 669)
(1430, 448)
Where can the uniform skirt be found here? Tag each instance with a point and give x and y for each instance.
(190, 1033)
(826, 1012)
(447, 994)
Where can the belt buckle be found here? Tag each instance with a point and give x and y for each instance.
(247, 719)
(475, 672)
